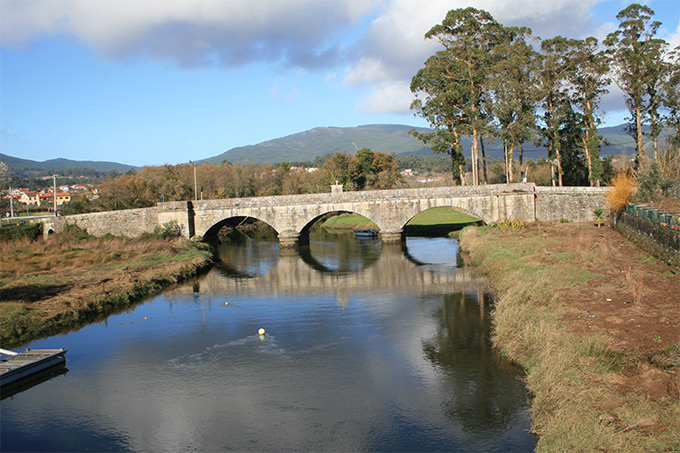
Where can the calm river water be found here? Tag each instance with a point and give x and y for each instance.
(368, 347)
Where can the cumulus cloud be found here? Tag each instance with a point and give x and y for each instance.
(674, 39)
(394, 47)
(387, 97)
(307, 34)
(191, 32)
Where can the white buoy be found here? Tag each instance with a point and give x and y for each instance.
(226, 303)
(261, 331)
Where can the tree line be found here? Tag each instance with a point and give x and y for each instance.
(492, 82)
(150, 185)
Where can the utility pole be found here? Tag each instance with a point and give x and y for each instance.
(195, 182)
(54, 177)
(11, 203)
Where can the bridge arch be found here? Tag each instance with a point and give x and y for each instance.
(211, 234)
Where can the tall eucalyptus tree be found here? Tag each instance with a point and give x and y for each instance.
(552, 76)
(469, 36)
(443, 96)
(513, 93)
(589, 79)
(671, 97)
(635, 57)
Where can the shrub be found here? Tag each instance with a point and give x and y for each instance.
(76, 232)
(598, 216)
(622, 189)
(509, 225)
(168, 230)
(654, 183)
(30, 231)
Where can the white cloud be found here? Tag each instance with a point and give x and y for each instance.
(387, 97)
(309, 34)
(394, 47)
(191, 32)
(674, 39)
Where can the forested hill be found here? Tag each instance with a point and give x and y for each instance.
(305, 146)
(31, 168)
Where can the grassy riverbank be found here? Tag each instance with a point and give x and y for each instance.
(71, 279)
(595, 322)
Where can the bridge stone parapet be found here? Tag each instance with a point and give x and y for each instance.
(554, 204)
(390, 210)
(128, 222)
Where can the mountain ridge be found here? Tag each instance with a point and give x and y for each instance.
(307, 145)
(389, 138)
(18, 164)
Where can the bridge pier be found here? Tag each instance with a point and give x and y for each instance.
(288, 239)
(390, 236)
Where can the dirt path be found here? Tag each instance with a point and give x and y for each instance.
(635, 300)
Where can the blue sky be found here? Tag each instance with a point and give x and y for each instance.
(149, 82)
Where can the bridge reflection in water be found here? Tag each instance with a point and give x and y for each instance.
(403, 363)
(386, 267)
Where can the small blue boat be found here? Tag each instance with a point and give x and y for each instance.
(365, 233)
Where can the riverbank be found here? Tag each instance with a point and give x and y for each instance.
(595, 322)
(48, 287)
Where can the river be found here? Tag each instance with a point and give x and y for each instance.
(367, 347)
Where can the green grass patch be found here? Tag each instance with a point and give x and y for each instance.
(349, 222)
(432, 222)
(564, 256)
(438, 222)
(442, 215)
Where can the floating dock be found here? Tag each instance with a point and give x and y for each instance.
(16, 367)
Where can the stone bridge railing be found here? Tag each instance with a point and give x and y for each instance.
(291, 215)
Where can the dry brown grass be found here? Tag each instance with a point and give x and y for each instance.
(589, 392)
(623, 187)
(65, 281)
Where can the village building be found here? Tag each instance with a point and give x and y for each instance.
(48, 198)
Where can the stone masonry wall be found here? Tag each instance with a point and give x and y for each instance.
(129, 222)
(573, 204)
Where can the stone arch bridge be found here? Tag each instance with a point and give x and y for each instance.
(292, 215)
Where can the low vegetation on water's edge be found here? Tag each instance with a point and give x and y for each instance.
(595, 323)
(47, 287)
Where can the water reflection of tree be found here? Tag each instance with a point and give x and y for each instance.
(481, 391)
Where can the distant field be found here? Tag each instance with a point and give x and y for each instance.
(349, 221)
(442, 215)
(433, 221)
